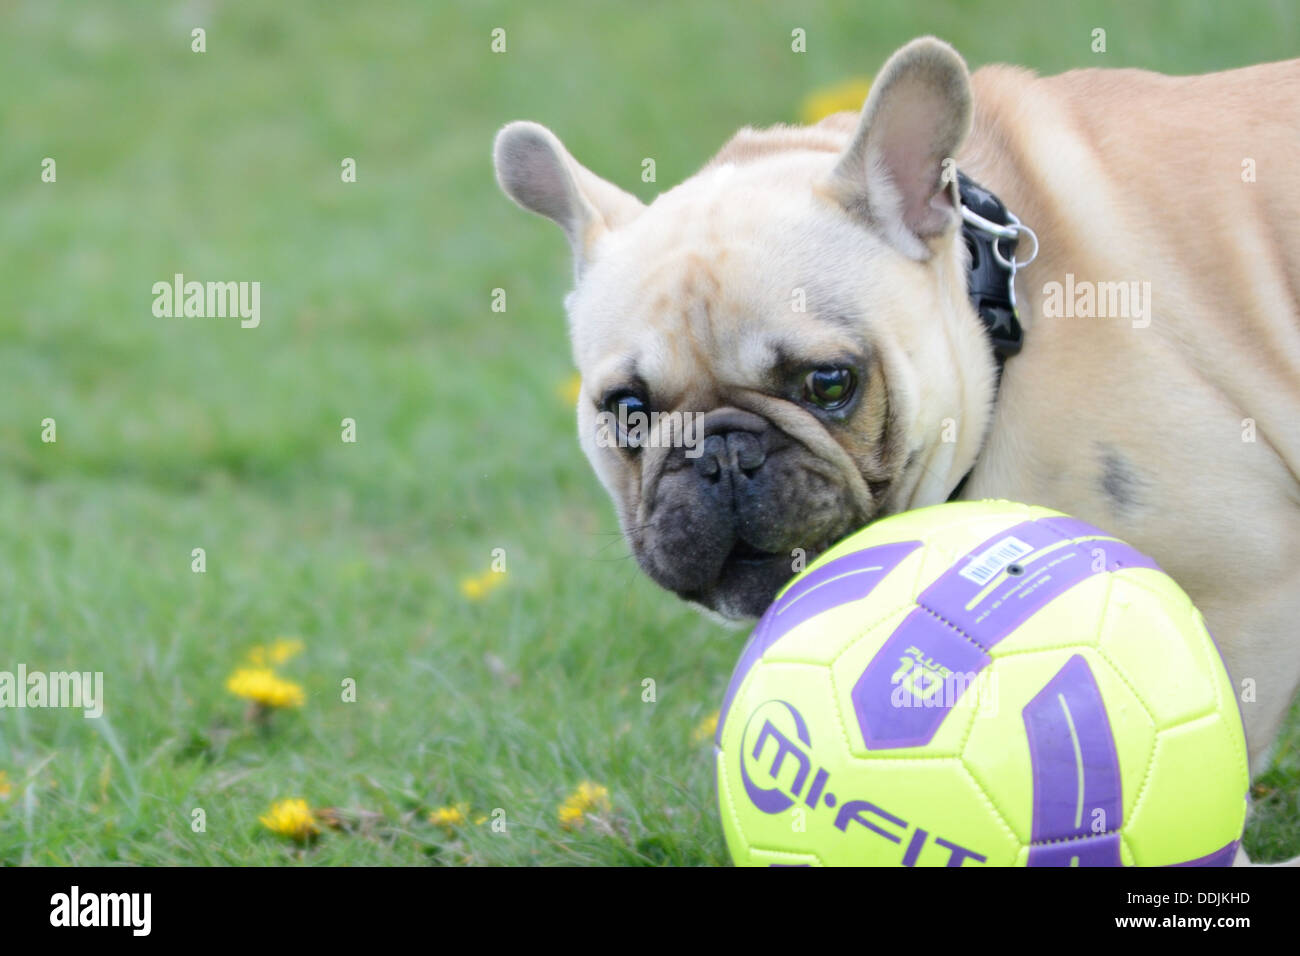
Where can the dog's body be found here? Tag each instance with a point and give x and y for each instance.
(1184, 436)
(1177, 429)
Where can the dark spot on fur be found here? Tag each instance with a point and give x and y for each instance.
(1119, 480)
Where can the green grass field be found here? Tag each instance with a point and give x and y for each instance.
(176, 434)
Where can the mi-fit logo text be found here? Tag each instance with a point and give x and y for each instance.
(133, 910)
(764, 737)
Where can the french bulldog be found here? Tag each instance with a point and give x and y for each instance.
(806, 294)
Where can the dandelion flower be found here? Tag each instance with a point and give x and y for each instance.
(284, 648)
(277, 652)
(264, 687)
(449, 817)
(588, 798)
(291, 818)
(5, 788)
(570, 817)
(705, 729)
(570, 389)
(477, 588)
(848, 95)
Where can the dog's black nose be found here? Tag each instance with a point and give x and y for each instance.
(738, 451)
(746, 451)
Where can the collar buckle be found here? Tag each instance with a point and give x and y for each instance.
(992, 233)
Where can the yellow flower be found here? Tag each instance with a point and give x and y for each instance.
(277, 652)
(5, 788)
(284, 648)
(291, 818)
(705, 729)
(449, 817)
(570, 389)
(588, 798)
(477, 588)
(570, 817)
(850, 94)
(262, 686)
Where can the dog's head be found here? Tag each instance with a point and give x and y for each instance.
(795, 314)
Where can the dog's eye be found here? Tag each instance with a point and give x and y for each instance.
(627, 399)
(629, 410)
(829, 388)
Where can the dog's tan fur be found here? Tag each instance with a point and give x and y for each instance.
(1124, 175)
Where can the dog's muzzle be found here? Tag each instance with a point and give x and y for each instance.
(726, 527)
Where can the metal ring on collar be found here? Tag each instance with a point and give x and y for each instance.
(1017, 229)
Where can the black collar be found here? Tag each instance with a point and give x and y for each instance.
(992, 233)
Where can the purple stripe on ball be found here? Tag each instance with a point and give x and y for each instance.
(1044, 578)
(913, 682)
(1220, 857)
(949, 638)
(837, 582)
(845, 579)
(1091, 851)
(1077, 789)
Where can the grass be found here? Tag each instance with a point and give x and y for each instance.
(176, 434)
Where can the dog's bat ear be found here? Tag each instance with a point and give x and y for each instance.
(536, 171)
(899, 172)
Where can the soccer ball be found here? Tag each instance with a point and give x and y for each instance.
(981, 683)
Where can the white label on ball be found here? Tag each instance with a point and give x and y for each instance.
(993, 559)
